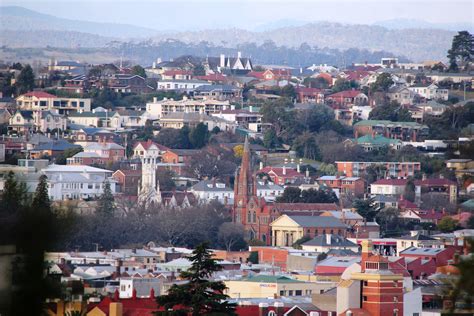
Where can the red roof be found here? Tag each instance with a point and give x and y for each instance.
(434, 182)
(311, 91)
(430, 214)
(345, 94)
(149, 142)
(462, 217)
(39, 94)
(256, 74)
(397, 182)
(356, 75)
(402, 203)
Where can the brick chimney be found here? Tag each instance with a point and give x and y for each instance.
(115, 309)
(366, 252)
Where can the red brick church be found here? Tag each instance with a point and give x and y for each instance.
(254, 212)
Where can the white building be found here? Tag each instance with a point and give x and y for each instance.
(158, 109)
(430, 92)
(181, 85)
(76, 182)
(39, 100)
(142, 286)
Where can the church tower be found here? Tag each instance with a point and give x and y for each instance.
(244, 187)
(149, 193)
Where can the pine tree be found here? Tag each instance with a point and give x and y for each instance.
(26, 80)
(14, 195)
(106, 203)
(461, 53)
(41, 199)
(200, 295)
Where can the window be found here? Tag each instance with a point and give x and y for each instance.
(365, 298)
(282, 293)
(366, 283)
(395, 299)
(290, 293)
(90, 186)
(298, 292)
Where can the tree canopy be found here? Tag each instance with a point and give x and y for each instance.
(461, 53)
(199, 295)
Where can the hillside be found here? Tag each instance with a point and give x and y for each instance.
(416, 44)
(20, 19)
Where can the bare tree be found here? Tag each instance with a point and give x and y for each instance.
(230, 234)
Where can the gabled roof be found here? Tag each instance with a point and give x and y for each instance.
(271, 279)
(377, 140)
(345, 94)
(57, 145)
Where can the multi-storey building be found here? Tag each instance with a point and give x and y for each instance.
(39, 100)
(158, 109)
(348, 186)
(395, 169)
(405, 131)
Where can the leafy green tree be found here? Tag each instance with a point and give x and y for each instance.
(388, 219)
(199, 136)
(382, 83)
(393, 112)
(12, 196)
(447, 224)
(365, 208)
(343, 84)
(290, 195)
(321, 195)
(139, 71)
(199, 295)
(41, 198)
(61, 159)
(306, 147)
(184, 140)
(461, 53)
(409, 190)
(199, 70)
(106, 203)
(319, 83)
(297, 244)
(270, 139)
(26, 80)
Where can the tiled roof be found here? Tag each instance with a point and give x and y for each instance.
(39, 94)
(336, 241)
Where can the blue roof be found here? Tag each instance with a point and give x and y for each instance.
(57, 145)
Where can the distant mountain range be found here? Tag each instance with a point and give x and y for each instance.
(400, 24)
(22, 19)
(20, 27)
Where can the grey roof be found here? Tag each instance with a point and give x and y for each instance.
(317, 221)
(336, 241)
(422, 251)
(57, 145)
(416, 237)
(385, 198)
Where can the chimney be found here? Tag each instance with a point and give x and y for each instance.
(366, 252)
(328, 239)
(115, 309)
(222, 61)
(118, 265)
(423, 176)
(284, 170)
(155, 99)
(307, 173)
(154, 65)
(239, 55)
(261, 165)
(262, 309)
(152, 293)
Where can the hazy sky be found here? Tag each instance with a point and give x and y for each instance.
(189, 14)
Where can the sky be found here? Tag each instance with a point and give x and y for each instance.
(249, 14)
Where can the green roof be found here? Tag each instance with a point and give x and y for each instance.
(387, 123)
(377, 140)
(271, 279)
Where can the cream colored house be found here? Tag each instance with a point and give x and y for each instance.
(287, 229)
(264, 286)
(39, 100)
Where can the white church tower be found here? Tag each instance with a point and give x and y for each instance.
(149, 191)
